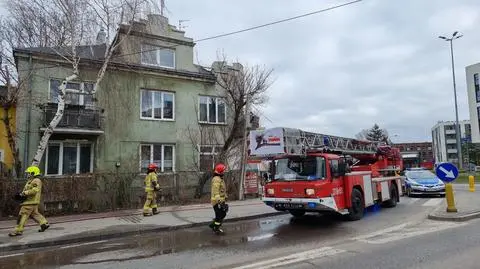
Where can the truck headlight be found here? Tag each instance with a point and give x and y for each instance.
(310, 191)
(270, 191)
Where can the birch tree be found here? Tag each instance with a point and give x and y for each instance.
(81, 17)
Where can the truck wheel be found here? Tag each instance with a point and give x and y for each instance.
(355, 212)
(297, 213)
(392, 202)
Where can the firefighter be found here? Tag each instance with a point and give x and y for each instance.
(31, 199)
(218, 197)
(151, 186)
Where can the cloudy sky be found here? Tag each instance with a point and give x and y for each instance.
(376, 61)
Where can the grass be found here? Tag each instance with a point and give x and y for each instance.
(463, 178)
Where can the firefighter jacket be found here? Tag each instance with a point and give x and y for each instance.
(33, 191)
(151, 182)
(218, 192)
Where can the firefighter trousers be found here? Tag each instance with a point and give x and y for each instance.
(220, 214)
(150, 205)
(29, 211)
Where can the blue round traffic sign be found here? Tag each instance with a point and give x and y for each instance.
(447, 172)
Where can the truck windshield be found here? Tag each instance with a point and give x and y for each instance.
(297, 168)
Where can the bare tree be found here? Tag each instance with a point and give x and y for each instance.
(241, 85)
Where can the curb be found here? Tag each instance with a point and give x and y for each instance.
(139, 213)
(66, 241)
(465, 217)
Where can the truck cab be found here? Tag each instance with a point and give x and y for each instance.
(315, 179)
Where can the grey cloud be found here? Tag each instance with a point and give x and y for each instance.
(341, 71)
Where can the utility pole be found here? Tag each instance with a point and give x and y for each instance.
(244, 149)
(458, 129)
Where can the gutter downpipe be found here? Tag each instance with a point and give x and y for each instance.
(26, 150)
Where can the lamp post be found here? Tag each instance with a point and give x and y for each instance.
(457, 131)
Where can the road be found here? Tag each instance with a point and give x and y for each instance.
(400, 237)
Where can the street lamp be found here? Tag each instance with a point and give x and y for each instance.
(458, 135)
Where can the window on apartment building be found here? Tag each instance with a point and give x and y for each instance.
(158, 56)
(212, 109)
(157, 105)
(70, 97)
(208, 154)
(477, 86)
(63, 158)
(160, 154)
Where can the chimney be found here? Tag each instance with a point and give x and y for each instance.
(101, 37)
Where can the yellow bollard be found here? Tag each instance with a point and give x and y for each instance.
(450, 200)
(471, 183)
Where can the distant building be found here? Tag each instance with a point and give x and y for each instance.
(473, 93)
(416, 153)
(444, 140)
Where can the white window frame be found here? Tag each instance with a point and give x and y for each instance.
(60, 153)
(208, 109)
(2, 155)
(162, 166)
(214, 152)
(158, 49)
(81, 99)
(162, 108)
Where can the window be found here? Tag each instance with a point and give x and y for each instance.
(157, 105)
(208, 154)
(160, 154)
(212, 109)
(64, 158)
(72, 98)
(158, 56)
(333, 167)
(477, 86)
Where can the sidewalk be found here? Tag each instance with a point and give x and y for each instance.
(93, 227)
(467, 204)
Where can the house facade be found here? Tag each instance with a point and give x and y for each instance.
(151, 101)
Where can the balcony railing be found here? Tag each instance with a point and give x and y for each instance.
(75, 118)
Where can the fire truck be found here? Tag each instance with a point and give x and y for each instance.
(312, 172)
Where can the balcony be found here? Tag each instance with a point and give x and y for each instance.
(451, 141)
(450, 131)
(451, 150)
(75, 120)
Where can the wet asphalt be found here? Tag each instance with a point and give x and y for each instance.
(243, 242)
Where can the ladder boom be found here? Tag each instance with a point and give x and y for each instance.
(289, 141)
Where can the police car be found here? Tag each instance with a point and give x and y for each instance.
(420, 181)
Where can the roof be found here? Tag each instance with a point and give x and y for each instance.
(92, 52)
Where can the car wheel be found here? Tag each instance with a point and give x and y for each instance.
(408, 192)
(356, 210)
(392, 202)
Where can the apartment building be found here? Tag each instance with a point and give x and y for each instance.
(444, 140)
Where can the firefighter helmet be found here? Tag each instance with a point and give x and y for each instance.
(152, 166)
(220, 168)
(33, 171)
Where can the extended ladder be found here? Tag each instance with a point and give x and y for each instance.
(275, 141)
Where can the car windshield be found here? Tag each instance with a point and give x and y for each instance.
(420, 174)
(298, 168)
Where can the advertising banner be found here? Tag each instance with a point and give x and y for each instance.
(267, 142)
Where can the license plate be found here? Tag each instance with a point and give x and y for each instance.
(289, 206)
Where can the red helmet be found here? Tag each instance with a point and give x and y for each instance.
(152, 166)
(220, 168)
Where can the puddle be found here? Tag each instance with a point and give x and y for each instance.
(284, 230)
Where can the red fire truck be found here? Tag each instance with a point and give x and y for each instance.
(311, 172)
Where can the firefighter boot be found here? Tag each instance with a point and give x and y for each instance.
(43, 227)
(12, 234)
(155, 211)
